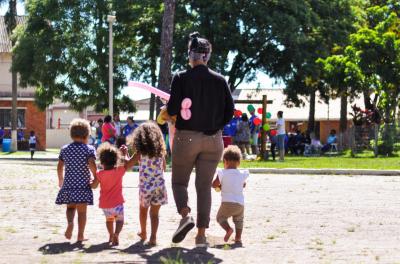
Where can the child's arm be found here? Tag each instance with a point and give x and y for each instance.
(95, 183)
(60, 173)
(216, 183)
(130, 162)
(92, 166)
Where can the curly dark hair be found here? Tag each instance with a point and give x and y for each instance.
(108, 155)
(148, 140)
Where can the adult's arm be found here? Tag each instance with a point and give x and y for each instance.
(175, 100)
(229, 105)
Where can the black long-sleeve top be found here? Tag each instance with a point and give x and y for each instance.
(212, 103)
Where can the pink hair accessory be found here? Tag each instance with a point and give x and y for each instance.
(185, 111)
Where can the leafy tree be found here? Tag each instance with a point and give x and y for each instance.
(63, 51)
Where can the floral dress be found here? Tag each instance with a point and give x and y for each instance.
(152, 190)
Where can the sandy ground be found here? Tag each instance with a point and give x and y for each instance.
(289, 219)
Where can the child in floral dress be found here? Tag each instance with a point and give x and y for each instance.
(148, 142)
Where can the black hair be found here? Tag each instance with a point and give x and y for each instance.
(244, 117)
(107, 119)
(280, 113)
(108, 155)
(198, 44)
(130, 118)
(100, 120)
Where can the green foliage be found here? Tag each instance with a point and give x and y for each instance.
(63, 51)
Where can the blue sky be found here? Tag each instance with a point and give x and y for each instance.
(264, 80)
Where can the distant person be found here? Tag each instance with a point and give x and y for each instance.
(149, 143)
(254, 131)
(32, 143)
(273, 140)
(231, 182)
(242, 137)
(280, 125)
(2, 134)
(110, 179)
(117, 125)
(108, 131)
(20, 135)
(129, 127)
(330, 140)
(99, 133)
(78, 158)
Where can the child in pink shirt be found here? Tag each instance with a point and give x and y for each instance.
(110, 179)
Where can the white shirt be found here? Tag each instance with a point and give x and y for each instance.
(117, 126)
(280, 123)
(32, 140)
(232, 181)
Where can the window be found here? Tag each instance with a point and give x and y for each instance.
(5, 118)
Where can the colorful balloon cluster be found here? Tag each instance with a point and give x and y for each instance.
(257, 121)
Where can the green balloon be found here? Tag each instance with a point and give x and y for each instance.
(269, 115)
(266, 127)
(251, 108)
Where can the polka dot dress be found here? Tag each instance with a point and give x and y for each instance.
(76, 186)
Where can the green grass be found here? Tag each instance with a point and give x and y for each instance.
(362, 161)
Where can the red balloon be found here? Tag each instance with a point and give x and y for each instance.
(237, 113)
(260, 111)
(257, 121)
(273, 132)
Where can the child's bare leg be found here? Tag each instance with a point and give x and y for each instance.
(81, 208)
(118, 227)
(110, 228)
(154, 209)
(70, 213)
(238, 235)
(229, 231)
(143, 220)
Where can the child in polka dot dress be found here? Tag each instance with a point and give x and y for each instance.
(78, 158)
(148, 142)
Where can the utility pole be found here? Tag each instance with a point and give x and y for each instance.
(111, 19)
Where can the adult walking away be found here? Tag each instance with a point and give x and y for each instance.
(280, 125)
(108, 130)
(198, 140)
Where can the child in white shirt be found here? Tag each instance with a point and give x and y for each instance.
(231, 181)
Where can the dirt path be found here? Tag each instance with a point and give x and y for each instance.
(289, 219)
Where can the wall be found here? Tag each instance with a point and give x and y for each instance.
(56, 138)
(34, 120)
(5, 76)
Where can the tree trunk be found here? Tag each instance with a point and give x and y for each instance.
(167, 31)
(153, 83)
(14, 79)
(343, 114)
(367, 100)
(343, 120)
(311, 115)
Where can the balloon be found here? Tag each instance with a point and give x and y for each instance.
(266, 127)
(237, 113)
(257, 121)
(185, 111)
(260, 111)
(250, 108)
(269, 115)
(149, 88)
(274, 132)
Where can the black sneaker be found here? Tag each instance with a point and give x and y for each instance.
(185, 226)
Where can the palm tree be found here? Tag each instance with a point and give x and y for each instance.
(11, 22)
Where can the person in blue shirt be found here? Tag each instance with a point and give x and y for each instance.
(1, 135)
(20, 135)
(254, 131)
(331, 139)
(130, 127)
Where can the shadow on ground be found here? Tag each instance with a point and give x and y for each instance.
(172, 254)
(60, 248)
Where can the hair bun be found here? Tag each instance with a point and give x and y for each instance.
(194, 35)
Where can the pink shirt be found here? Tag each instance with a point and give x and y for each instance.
(108, 131)
(111, 187)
